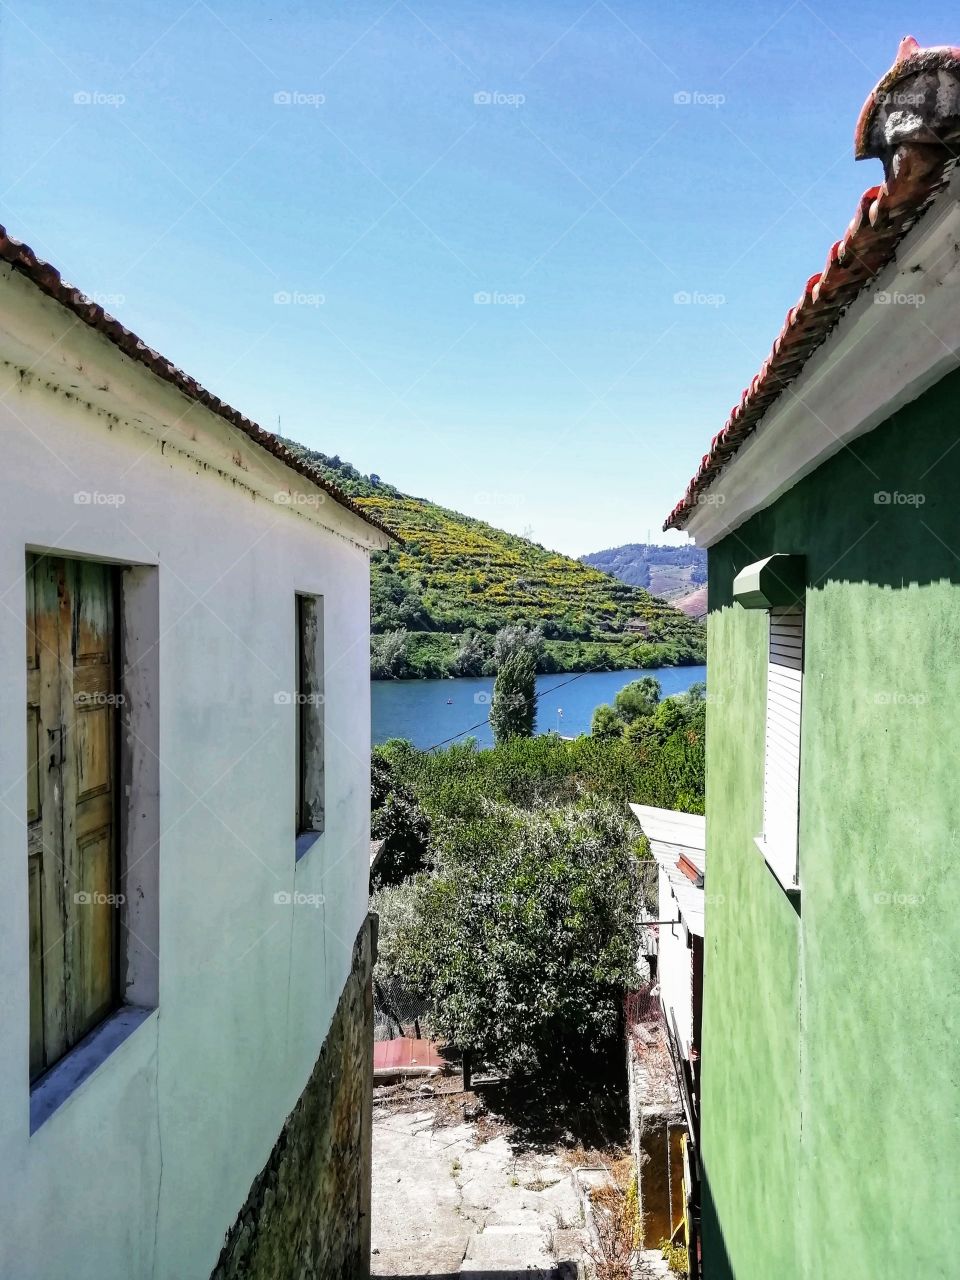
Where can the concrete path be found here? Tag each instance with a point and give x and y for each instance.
(447, 1204)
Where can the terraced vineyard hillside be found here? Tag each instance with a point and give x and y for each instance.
(456, 581)
(675, 573)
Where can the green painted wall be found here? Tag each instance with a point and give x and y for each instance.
(830, 1090)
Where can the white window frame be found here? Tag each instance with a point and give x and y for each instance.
(780, 839)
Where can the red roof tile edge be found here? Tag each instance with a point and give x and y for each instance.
(47, 278)
(917, 168)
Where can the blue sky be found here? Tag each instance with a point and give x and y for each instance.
(301, 204)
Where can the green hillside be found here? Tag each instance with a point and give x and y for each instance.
(456, 581)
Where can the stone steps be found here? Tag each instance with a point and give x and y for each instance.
(651, 1265)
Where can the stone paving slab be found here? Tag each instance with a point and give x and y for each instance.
(446, 1204)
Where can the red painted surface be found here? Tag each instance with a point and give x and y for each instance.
(402, 1054)
(690, 870)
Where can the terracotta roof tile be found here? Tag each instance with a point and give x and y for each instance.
(47, 278)
(908, 121)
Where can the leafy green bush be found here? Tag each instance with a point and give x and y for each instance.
(637, 699)
(396, 818)
(526, 937)
(454, 783)
(524, 933)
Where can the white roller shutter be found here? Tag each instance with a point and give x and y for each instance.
(781, 784)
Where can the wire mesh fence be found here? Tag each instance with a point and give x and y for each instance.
(398, 1011)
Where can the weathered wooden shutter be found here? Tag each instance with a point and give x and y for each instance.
(781, 790)
(309, 700)
(71, 801)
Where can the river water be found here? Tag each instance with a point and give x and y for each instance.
(429, 711)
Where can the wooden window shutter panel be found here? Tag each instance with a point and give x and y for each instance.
(310, 714)
(72, 712)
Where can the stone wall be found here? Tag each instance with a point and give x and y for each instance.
(307, 1216)
(656, 1125)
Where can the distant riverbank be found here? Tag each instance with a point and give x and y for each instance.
(428, 711)
(435, 655)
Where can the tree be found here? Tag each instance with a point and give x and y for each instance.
(526, 938)
(669, 716)
(605, 723)
(470, 656)
(516, 636)
(388, 655)
(513, 712)
(639, 698)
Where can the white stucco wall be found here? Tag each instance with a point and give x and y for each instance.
(141, 1171)
(674, 964)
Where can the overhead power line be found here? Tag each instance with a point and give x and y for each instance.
(536, 698)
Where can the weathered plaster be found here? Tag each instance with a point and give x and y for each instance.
(142, 1170)
(829, 1119)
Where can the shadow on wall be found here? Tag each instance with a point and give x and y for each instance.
(716, 1260)
(881, 511)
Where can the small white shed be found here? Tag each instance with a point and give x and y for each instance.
(678, 844)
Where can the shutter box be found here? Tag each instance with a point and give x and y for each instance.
(779, 581)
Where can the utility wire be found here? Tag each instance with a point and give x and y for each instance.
(536, 698)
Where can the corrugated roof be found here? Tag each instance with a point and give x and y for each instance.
(48, 279)
(670, 834)
(913, 138)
